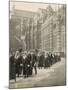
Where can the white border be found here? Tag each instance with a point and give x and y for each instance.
(4, 43)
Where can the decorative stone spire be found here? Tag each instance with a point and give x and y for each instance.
(49, 10)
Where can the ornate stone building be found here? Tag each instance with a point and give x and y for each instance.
(25, 30)
(44, 30)
(53, 32)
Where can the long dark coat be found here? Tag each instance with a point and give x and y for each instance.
(18, 68)
(41, 61)
(27, 66)
(12, 68)
(24, 66)
(29, 69)
(34, 59)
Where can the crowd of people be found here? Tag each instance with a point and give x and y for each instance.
(23, 62)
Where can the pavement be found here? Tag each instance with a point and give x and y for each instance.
(52, 76)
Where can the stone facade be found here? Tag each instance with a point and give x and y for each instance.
(53, 32)
(44, 29)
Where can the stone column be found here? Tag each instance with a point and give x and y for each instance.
(51, 37)
(23, 43)
(58, 35)
(32, 35)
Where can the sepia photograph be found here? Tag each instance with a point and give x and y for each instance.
(37, 44)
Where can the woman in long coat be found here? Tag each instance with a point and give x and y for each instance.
(18, 66)
(41, 61)
(12, 74)
(24, 65)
